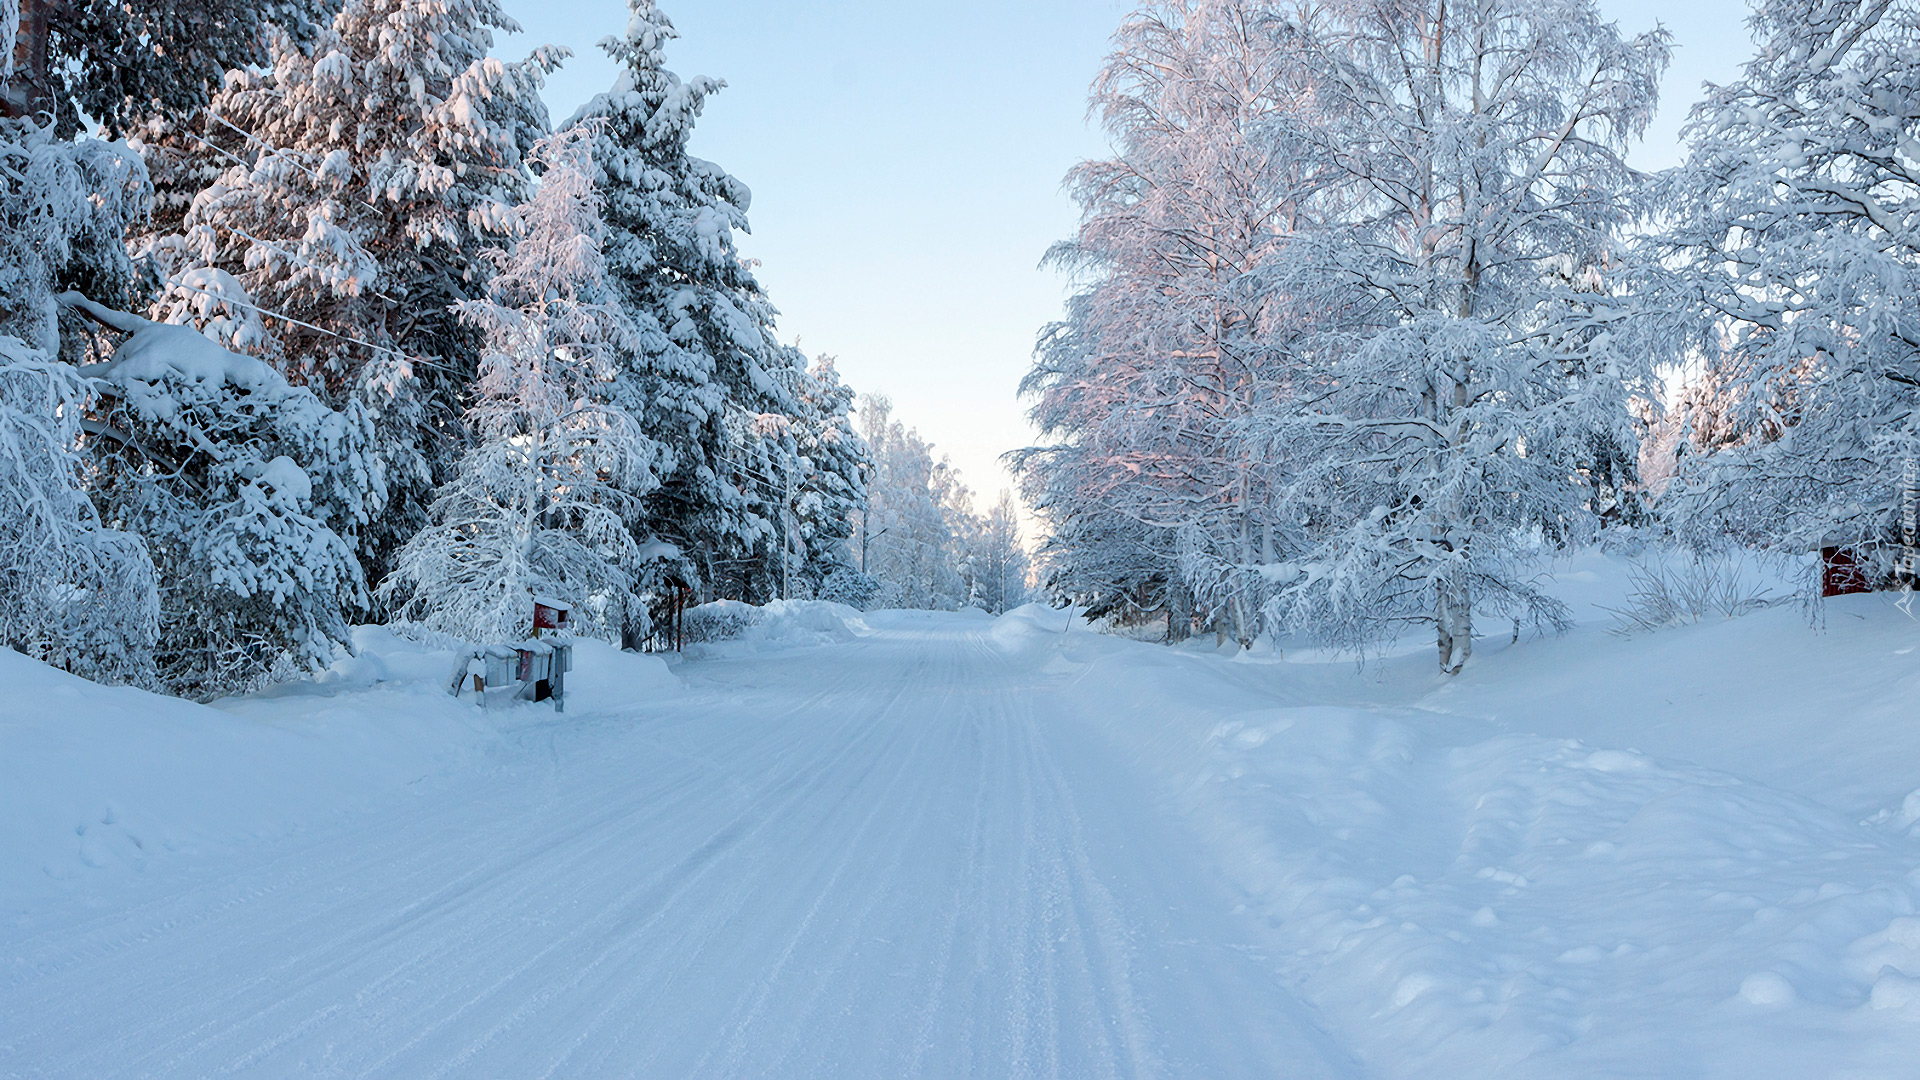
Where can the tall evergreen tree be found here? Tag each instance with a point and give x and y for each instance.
(363, 177)
(543, 504)
(833, 465)
(708, 366)
(120, 62)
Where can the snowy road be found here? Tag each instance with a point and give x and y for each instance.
(904, 856)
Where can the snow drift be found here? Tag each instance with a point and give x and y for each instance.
(778, 624)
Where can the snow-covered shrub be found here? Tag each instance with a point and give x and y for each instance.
(245, 490)
(721, 620)
(1674, 592)
(850, 587)
(779, 624)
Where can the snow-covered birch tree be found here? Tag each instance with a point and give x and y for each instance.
(543, 504)
(1175, 343)
(1481, 355)
(994, 569)
(908, 533)
(1799, 226)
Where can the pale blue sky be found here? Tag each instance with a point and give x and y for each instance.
(906, 158)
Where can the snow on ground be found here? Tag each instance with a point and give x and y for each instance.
(102, 787)
(919, 844)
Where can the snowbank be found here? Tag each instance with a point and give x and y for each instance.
(781, 624)
(101, 786)
(1688, 853)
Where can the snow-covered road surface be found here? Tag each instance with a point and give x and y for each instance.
(918, 844)
(897, 857)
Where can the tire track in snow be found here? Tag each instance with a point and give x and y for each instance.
(885, 858)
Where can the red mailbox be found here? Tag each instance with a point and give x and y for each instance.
(549, 614)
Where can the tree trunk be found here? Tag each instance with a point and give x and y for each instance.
(29, 90)
(1179, 609)
(1453, 623)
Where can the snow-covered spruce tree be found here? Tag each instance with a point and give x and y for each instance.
(545, 501)
(241, 486)
(362, 178)
(832, 467)
(1799, 224)
(118, 63)
(1148, 385)
(1483, 352)
(706, 368)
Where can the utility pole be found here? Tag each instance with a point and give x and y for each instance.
(786, 538)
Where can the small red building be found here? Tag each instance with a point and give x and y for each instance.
(1842, 571)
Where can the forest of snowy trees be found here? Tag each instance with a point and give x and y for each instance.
(1372, 314)
(311, 315)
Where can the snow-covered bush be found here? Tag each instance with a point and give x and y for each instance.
(720, 620)
(245, 490)
(778, 624)
(850, 587)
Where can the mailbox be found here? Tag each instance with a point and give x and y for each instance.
(531, 670)
(550, 615)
